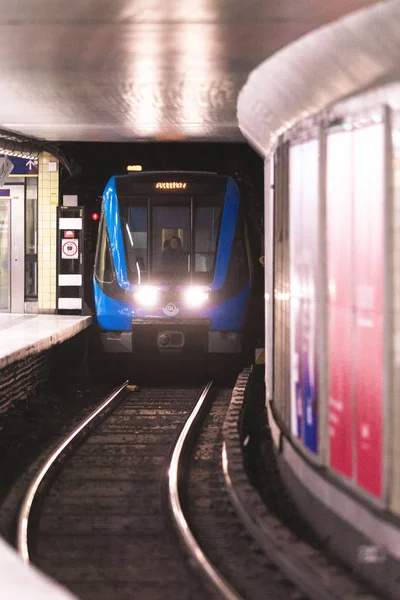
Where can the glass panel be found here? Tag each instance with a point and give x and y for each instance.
(104, 270)
(304, 254)
(171, 240)
(31, 267)
(170, 237)
(393, 333)
(135, 234)
(280, 287)
(31, 276)
(356, 275)
(368, 304)
(340, 275)
(4, 254)
(31, 217)
(207, 222)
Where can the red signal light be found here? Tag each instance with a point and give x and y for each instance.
(95, 216)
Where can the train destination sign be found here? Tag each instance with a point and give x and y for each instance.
(171, 185)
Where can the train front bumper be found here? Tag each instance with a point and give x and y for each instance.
(171, 336)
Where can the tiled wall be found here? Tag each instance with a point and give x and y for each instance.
(48, 193)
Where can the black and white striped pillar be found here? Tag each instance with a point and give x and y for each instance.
(70, 259)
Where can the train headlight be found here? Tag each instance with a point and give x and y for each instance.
(195, 297)
(147, 295)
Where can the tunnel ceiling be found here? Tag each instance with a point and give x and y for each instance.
(129, 70)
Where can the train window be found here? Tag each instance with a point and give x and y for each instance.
(171, 239)
(135, 234)
(158, 243)
(104, 271)
(207, 222)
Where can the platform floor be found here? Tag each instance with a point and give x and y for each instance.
(20, 581)
(24, 335)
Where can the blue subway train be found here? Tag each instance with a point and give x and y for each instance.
(173, 266)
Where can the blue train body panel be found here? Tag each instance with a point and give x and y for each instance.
(112, 314)
(228, 226)
(113, 223)
(229, 315)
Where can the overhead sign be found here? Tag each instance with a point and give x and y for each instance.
(23, 167)
(69, 249)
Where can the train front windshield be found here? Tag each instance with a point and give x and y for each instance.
(171, 239)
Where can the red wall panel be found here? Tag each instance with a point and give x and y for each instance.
(340, 300)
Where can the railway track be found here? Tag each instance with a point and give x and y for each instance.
(140, 506)
(100, 527)
(245, 570)
(102, 522)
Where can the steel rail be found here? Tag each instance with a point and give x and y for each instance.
(29, 498)
(214, 577)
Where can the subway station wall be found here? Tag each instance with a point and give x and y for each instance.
(335, 295)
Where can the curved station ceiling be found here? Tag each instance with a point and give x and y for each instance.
(130, 70)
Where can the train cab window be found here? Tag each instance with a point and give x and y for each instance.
(163, 235)
(171, 241)
(207, 223)
(104, 270)
(135, 234)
